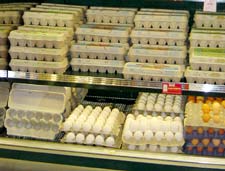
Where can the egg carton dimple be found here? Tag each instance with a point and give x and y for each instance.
(157, 54)
(204, 77)
(10, 17)
(153, 72)
(93, 65)
(156, 37)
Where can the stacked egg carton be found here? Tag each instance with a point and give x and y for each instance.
(103, 41)
(207, 40)
(153, 133)
(205, 126)
(101, 127)
(159, 42)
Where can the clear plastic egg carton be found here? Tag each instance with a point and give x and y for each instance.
(39, 54)
(158, 37)
(39, 66)
(204, 77)
(103, 33)
(8, 26)
(97, 65)
(3, 63)
(65, 5)
(147, 103)
(207, 38)
(142, 130)
(153, 72)
(4, 36)
(3, 51)
(37, 39)
(98, 52)
(210, 20)
(10, 17)
(207, 59)
(153, 148)
(157, 54)
(48, 19)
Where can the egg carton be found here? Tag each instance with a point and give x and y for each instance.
(93, 65)
(2, 117)
(158, 37)
(37, 39)
(207, 38)
(142, 130)
(51, 19)
(157, 54)
(39, 66)
(103, 33)
(204, 77)
(160, 103)
(4, 36)
(113, 8)
(207, 59)
(3, 64)
(10, 17)
(153, 148)
(39, 54)
(194, 114)
(210, 20)
(167, 11)
(214, 142)
(15, 4)
(153, 72)
(98, 52)
(8, 26)
(65, 5)
(3, 51)
(4, 93)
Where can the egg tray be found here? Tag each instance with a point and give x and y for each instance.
(4, 94)
(193, 117)
(204, 77)
(209, 20)
(153, 148)
(165, 11)
(98, 52)
(39, 66)
(157, 54)
(4, 36)
(207, 59)
(113, 8)
(10, 17)
(3, 51)
(51, 19)
(157, 37)
(97, 65)
(84, 8)
(9, 26)
(153, 72)
(38, 54)
(3, 63)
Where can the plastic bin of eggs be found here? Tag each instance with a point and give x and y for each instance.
(94, 126)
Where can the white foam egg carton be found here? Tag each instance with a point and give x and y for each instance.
(10, 17)
(39, 39)
(202, 77)
(207, 59)
(142, 130)
(39, 54)
(4, 36)
(39, 66)
(214, 20)
(3, 63)
(207, 38)
(103, 33)
(98, 52)
(66, 6)
(167, 11)
(146, 103)
(194, 113)
(97, 65)
(157, 54)
(3, 51)
(158, 37)
(51, 19)
(153, 72)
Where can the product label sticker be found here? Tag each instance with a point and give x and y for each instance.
(210, 5)
(171, 88)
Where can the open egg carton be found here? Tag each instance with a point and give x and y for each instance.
(207, 59)
(207, 38)
(149, 130)
(10, 17)
(98, 52)
(163, 105)
(93, 65)
(157, 54)
(215, 20)
(158, 37)
(103, 33)
(153, 72)
(94, 126)
(204, 77)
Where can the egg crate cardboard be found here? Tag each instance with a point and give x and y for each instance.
(157, 54)
(10, 17)
(158, 37)
(39, 54)
(204, 77)
(3, 51)
(204, 135)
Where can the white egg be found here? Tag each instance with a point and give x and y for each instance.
(91, 118)
(89, 107)
(134, 125)
(142, 147)
(99, 140)
(116, 110)
(97, 128)
(107, 129)
(169, 136)
(70, 137)
(90, 139)
(110, 141)
(138, 135)
(87, 126)
(178, 136)
(131, 147)
(153, 148)
(148, 135)
(130, 116)
(98, 108)
(174, 149)
(149, 106)
(107, 109)
(158, 107)
(163, 149)
(80, 138)
(159, 135)
(168, 108)
(67, 125)
(77, 126)
(81, 107)
(127, 135)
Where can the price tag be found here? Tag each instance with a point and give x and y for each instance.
(209, 5)
(171, 88)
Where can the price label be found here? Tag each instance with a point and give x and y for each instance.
(209, 5)
(171, 88)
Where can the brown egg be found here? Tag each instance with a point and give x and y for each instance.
(200, 130)
(220, 150)
(205, 108)
(223, 103)
(205, 141)
(210, 130)
(206, 117)
(223, 141)
(216, 118)
(189, 129)
(221, 131)
(216, 107)
(194, 141)
(210, 149)
(216, 142)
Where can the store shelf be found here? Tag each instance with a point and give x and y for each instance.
(3, 75)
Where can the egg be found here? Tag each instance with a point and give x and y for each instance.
(107, 109)
(97, 128)
(131, 147)
(153, 148)
(174, 149)
(223, 103)
(80, 138)
(149, 106)
(130, 116)
(169, 136)
(160, 102)
(110, 141)
(176, 108)
(168, 108)
(138, 135)
(90, 139)
(89, 107)
(87, 127)
(127, 135)
(178, 136)
(163, 149)
(98, 109)
(141, 106)
(116, 110)
(107, 129)
(158, 107)
(70, 137)
(142, 147)
(134, 125)
(159, 135)
(99, 140)
(205, 108)
(216, 107)
(81, 107)
(168, 118)
(67, 125)
(148, 135)
(77, 126)
(206, 117)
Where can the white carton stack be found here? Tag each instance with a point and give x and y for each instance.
(207, 50)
